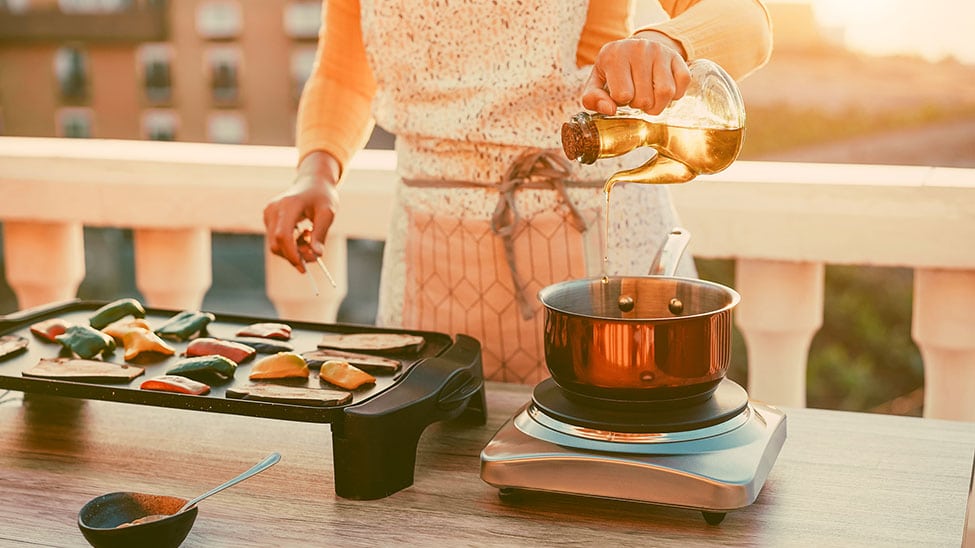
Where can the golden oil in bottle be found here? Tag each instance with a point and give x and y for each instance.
(700, 133)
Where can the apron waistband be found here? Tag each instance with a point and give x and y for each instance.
(535, 169)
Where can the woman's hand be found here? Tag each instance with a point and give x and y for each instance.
(645, 71)
(312, 197)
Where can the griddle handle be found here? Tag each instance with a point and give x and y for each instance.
(375, 443)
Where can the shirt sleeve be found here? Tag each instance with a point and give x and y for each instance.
(736, 34)
(334, 112)
(606, 20)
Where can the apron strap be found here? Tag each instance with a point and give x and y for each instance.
(535, 168)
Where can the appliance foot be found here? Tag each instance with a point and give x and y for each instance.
(714, 518)
(509, 494)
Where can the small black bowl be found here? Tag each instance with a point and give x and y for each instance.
(100, 517)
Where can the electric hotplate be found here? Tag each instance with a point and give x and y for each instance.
(714, 465)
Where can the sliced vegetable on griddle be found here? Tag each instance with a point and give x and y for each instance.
(205, 368)
(86, 342)
(267, 330)
(83, 370)
(316, 358)
(264, 346)
(283, 365)
(186, 325)
(372, 341)
(176, 384)
(140, 341)
(116, 310)
(342, 374)
(119, 328)
(297, 395)
(50, 328)
(11, 345)
(208, 346)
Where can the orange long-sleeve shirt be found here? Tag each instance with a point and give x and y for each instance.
(334, 112)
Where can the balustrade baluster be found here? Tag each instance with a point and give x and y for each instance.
(44, 262)
(781, 309)
(294, 298)
(173, 266)
(943, 326)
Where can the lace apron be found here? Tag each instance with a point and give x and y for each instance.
(488, 211)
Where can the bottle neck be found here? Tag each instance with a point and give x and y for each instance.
(589, 137)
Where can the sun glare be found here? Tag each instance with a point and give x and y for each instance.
(934, 29)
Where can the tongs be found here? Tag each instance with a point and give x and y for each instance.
(308, 255)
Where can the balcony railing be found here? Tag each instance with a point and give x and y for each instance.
(780, 222)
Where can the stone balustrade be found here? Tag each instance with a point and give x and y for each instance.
(780, 222)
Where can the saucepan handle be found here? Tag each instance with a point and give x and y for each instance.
(668, 256)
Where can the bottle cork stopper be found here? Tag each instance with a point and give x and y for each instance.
(579, 139)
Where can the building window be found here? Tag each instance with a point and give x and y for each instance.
(71, 68)
(159, 125)
(302, 62)
(224, 68)
(219, 19)
(156, 67)
(302, 18)
(15, 6)
(227, 127)
(74, 123)
(93, 6)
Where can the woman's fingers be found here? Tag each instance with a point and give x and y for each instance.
(595, 97)
(281, 235)
(645, 80)
(642, 73)
(302, 203)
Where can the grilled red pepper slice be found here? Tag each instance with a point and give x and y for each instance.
(175, 383)
(267, 330)
(49, 329)
(207, 346)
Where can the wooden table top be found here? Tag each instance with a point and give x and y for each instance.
(842, 479)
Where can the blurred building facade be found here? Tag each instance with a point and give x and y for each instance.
(223, 71)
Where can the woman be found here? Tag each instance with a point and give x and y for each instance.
(488, 210)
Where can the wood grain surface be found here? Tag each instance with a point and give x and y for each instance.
(842, 479)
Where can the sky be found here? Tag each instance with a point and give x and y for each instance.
(932, 29)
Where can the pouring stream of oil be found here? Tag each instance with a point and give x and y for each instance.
(682, 154)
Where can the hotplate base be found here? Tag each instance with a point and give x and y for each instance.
(713, 474)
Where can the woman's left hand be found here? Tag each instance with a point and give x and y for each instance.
(645, 71)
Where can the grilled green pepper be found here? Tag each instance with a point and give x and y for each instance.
(185, 325)
(205, 368)
(116, 310)
(87, 342)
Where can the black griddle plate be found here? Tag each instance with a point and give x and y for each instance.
(305, 337)
(374, 436)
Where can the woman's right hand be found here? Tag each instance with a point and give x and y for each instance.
(313, 197)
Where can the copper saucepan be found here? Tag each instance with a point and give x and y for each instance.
(639, 337)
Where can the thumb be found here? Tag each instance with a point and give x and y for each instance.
(594, 94)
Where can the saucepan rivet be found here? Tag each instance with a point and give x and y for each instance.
(675, 306)
(626, 303)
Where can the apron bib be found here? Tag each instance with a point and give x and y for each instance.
(469, 88)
